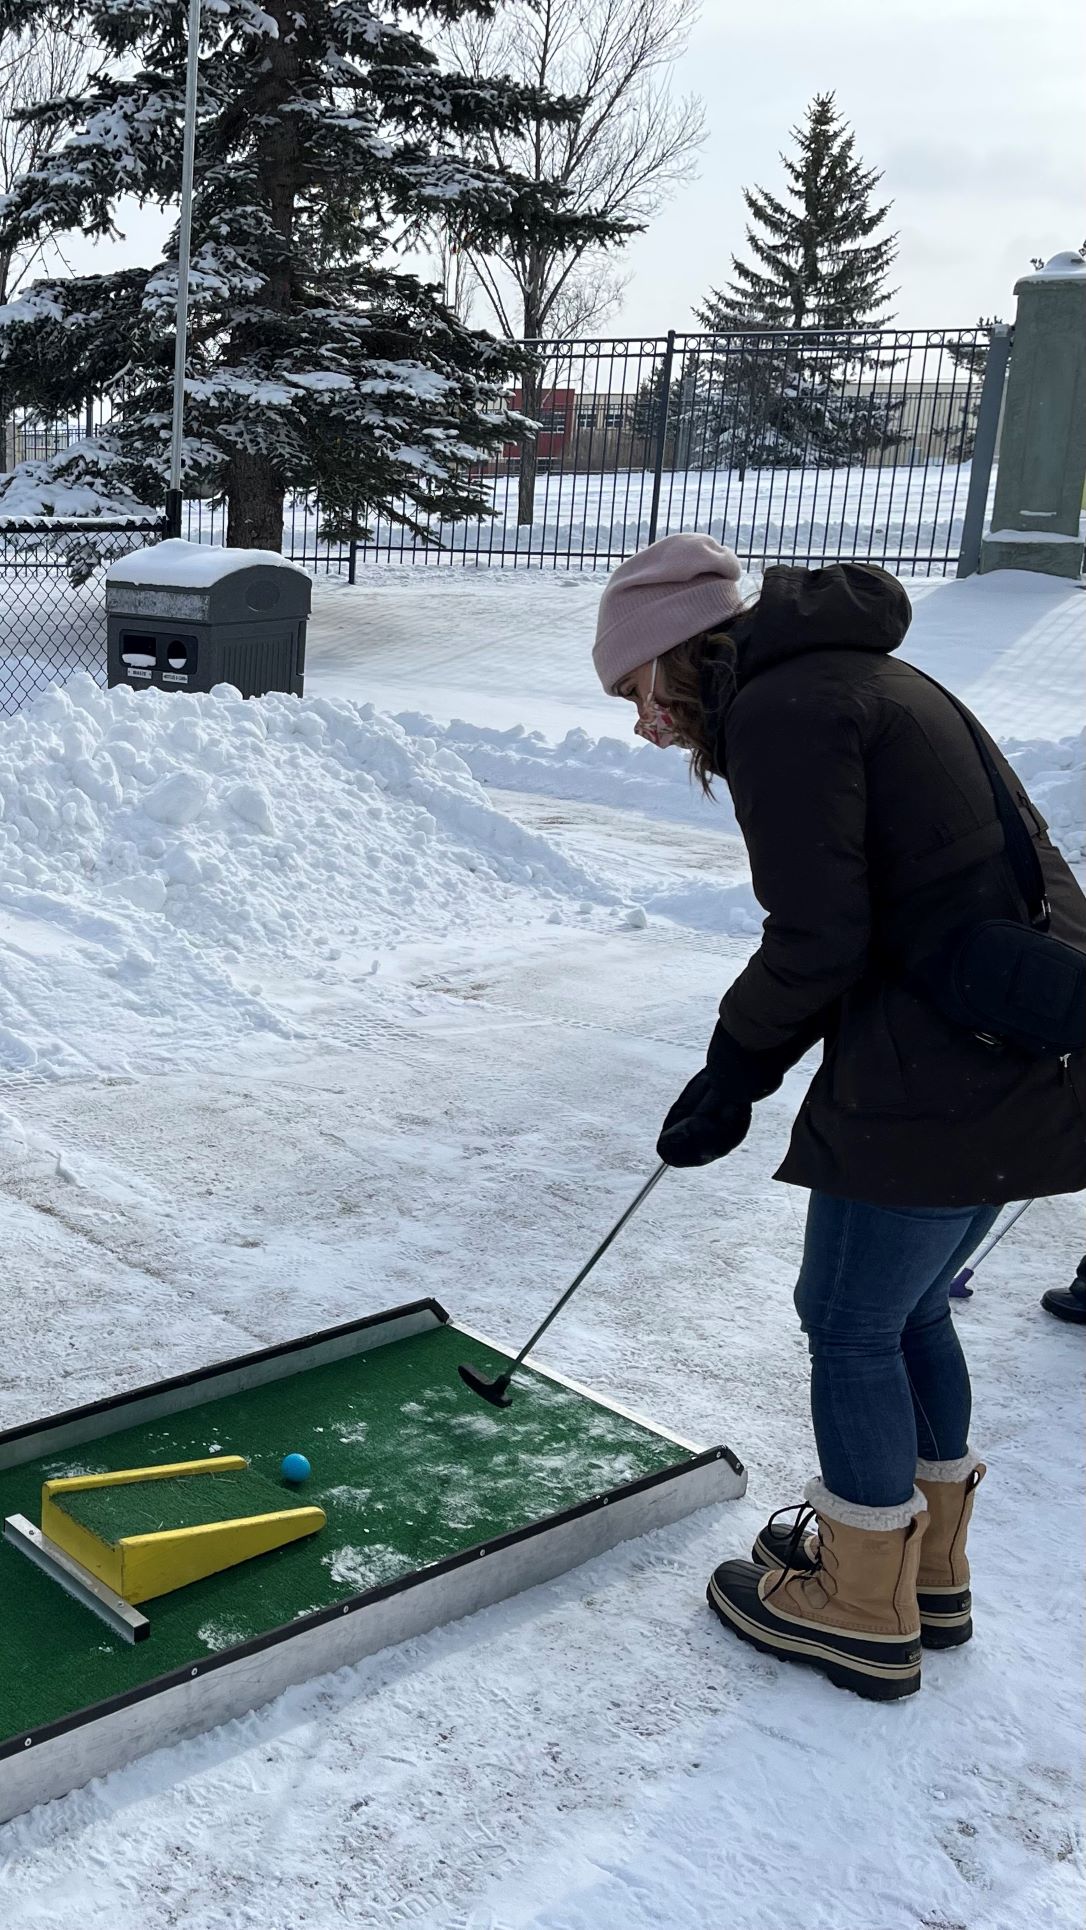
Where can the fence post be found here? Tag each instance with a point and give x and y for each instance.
(984, 445)
(1042, 447)
(661, 433)
(352, 548)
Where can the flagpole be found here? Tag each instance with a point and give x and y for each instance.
(173, 494)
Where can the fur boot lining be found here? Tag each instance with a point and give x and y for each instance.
(851, 1514)
(958, 1470)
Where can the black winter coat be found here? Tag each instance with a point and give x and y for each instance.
(872, 830)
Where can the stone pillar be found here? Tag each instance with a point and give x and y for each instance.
(1042, 448)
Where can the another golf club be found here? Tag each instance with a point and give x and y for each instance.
(497, 1391)
(960, 1288)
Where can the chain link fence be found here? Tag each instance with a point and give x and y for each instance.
(52, 598)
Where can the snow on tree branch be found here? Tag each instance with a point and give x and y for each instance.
(313, 361)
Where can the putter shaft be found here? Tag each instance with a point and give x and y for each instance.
(494, 1391)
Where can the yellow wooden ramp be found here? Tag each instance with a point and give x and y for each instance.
(146, 1531)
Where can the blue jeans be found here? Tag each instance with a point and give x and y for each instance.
(889, 1382)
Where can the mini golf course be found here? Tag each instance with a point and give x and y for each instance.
(435, 1505)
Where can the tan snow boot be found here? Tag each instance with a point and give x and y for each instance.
(942, 1584)
(942, 1587)
(853, 1614)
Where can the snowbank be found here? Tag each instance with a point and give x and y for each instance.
(159, 860)
(1055, 776)
(629, 776)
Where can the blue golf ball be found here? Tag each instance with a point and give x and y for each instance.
(295, 1467)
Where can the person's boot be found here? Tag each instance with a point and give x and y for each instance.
(1069, 1303)
(853, 1615)
(942, 1585)
(788, 1543)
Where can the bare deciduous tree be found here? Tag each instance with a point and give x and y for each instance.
(456, 271)
(629, 146)
(34, 67)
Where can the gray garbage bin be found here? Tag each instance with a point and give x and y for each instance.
(187, 616)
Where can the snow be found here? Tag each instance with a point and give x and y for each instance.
(1030, 535)
(503, 648)
(1055, 776)
(596, 770)
(80, 480)
(1068, 265)
(181, 564)
(181, 851)
(629, 777)
(35, 305)
(220, 1126)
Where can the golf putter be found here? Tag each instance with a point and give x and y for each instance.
(497, 1391)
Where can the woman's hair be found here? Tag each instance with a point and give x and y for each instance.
(685, 674)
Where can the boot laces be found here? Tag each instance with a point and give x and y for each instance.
(804, 1519)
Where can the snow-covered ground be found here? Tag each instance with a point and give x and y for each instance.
(501, 647)
(302, 1012)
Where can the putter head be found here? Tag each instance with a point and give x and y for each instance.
(493, 1391)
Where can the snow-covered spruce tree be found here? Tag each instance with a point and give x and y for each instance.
(817, 266)
(777, 400)
(327, 136)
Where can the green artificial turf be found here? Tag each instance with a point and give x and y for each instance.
(408, 1465)
(183, 1501)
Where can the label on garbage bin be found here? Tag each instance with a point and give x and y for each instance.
(134, 672)
(175, 677)
(131, 600)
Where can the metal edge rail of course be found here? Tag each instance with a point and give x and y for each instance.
(43, 1763)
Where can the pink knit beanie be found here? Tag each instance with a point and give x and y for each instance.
(673, 590)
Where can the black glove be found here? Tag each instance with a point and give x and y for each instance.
(703, 1124)
(712, 1115)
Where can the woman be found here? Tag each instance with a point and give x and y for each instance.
(872, 830)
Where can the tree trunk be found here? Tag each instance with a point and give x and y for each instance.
(532, 390)
(529, 454)
(254, 495)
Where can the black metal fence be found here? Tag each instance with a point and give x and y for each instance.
(792, 447)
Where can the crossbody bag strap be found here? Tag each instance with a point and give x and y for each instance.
(1021, 850)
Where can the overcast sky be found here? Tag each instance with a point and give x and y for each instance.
(972, 108)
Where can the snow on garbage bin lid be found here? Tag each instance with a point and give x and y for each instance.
(192, 565)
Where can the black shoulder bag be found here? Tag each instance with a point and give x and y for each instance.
(1008, 982)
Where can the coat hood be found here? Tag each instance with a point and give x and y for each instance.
(846, 606)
